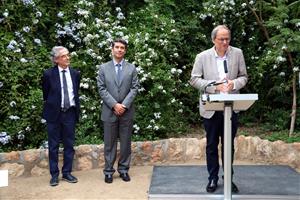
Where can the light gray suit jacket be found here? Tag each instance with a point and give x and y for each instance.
(205, 71)
(111, 92)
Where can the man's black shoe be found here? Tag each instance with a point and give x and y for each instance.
(234, 188)
(212, 186)
(54, 181)
(125, 177)
(69, 178)
(108, 178)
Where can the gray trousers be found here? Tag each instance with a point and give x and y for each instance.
(121, 129)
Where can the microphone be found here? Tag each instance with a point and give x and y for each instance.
(225, 67)
(215, 83)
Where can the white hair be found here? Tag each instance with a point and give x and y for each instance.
(56, 52)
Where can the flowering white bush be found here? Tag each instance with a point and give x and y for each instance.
(163, 39)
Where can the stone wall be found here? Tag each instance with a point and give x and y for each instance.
(173, 150)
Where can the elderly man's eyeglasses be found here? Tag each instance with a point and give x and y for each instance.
(223, 39)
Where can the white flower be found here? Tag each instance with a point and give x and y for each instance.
(27, 128)
(12, 45)
(28, 2)
(1, 84)
(244, 5)
(84, 116)
(118, 9)
(281, 74)
(280, 59)
(37, 41)
(157, 115)
(21, 136)
(284, 47)
(295, 69)
(180, 111)
(155, 127)
(60, 14)
(141, 89)
(43, 121)
(35, 21)
(173, 70)
(179, 71)
(44, 145)
(38, 14)
(160, 87)
(203, 16)
(84, 13)
(149, 127)
(4, 138)
(23, 60)
(73, 54)
(12, 104)
(14, 117)
(33, 107)
(5, 14)
(26, 29)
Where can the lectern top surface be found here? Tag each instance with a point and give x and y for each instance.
(229, 97)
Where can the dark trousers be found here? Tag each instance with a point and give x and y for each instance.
(62, 130)
(121, 129)
(214, 128)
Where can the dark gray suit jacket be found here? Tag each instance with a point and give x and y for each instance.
(111, 92)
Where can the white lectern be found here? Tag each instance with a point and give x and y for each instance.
(228, 103)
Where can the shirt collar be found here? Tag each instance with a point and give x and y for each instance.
(61, 69)
(217, 56)
(115, 62)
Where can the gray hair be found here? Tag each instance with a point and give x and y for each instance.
(216, 29)
(55, 52)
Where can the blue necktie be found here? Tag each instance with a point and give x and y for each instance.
(66, 105)
(119, 72)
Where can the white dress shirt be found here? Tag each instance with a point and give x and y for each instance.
(70, 86)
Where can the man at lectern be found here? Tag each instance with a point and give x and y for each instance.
(220, 69)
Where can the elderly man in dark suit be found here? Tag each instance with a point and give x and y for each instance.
(60, 86)
(220, 63)
(118, 85)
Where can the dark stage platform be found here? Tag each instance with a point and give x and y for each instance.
(254, 182)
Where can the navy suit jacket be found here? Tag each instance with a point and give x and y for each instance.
(52, 93)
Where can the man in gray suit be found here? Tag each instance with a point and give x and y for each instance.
(118, 85)
(221, 63)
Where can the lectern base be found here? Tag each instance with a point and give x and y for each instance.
(254, 182)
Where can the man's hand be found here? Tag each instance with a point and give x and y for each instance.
(119, 109)
(226, 87)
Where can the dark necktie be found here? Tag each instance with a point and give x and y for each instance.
(65, 89)
(119, 72)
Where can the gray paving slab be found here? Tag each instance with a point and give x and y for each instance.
(252, 180)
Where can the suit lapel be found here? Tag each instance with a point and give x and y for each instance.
(56, 77)
(229, 61)
(214, 66)
(113, 72)
(124, 72)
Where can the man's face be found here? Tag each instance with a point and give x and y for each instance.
(63, 60)
(118, 51)
(222, 40)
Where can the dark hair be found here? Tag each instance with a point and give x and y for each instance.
(119, 40)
